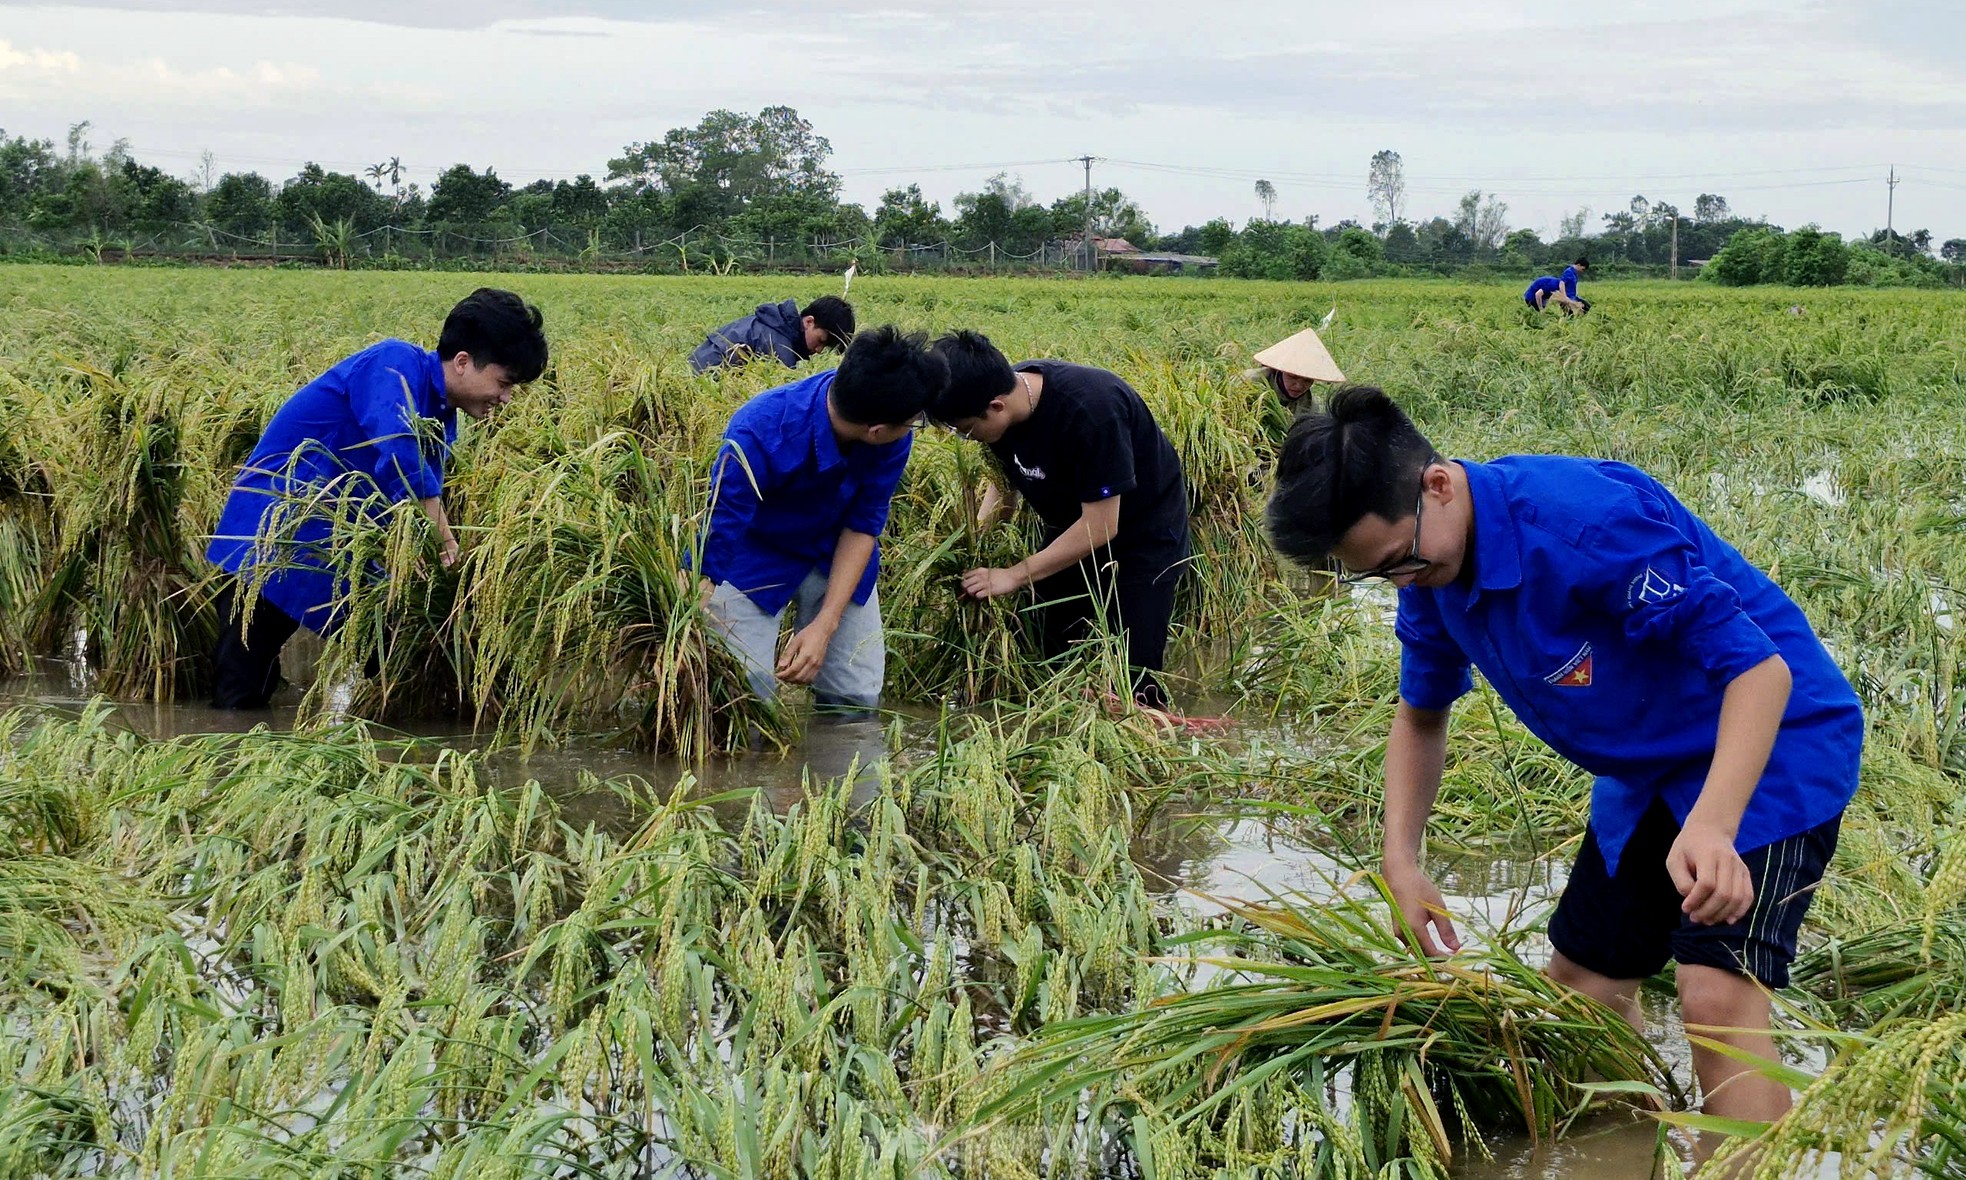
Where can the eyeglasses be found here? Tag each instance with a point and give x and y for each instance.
(1412, 563)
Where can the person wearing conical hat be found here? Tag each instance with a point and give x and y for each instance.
(1292, 366)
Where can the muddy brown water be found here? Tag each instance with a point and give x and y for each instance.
(1190, 859)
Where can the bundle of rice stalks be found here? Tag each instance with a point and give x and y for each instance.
(1412, 1055)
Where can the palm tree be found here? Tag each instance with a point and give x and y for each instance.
(1267, 193)
(376, 172)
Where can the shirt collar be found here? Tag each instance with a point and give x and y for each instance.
(433, 373)
(1497, 544)
(825, 445)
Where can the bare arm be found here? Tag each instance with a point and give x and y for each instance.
(806, 653)
(1702, 861)
(433, 508)
(1416, 754)
(1098, 521)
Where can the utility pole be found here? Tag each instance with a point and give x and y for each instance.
(1890, 200)
(1091, 251)
(1675, 245)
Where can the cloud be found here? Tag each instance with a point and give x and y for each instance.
(39, 60)
(165, 82)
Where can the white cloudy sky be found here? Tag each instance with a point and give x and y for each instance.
(1791, 108)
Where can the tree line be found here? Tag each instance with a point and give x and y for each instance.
(743, 189)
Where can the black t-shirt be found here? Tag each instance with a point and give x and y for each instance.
(1089, 438)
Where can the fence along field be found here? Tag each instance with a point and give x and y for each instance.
(307, 954)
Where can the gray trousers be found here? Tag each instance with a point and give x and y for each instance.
(856, 661)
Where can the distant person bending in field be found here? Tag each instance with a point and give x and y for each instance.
(799, 496)
(1641, 647)
(1084, 450)
(380, 422)
(780, 331)
(1560, 290)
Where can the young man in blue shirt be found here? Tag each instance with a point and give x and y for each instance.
(1641, 647)
(780, 331)
(377, 428)
(799, 496)
(1562, 289)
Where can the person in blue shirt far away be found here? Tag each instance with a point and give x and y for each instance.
(1561, 290)
(1641, 647)
(799, 496)
(376, 428)
(780, 331)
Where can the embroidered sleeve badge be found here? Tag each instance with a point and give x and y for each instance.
(1653, 588)
(1576, 671)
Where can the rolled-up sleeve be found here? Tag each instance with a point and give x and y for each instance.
(379, 394)
(867, 512)
(1655, 584)
(1433, 670)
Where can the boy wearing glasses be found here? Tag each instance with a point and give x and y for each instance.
(799, 493)
(1080, 446)
(1641, 647)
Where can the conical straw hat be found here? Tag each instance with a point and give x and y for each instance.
(1303, 355)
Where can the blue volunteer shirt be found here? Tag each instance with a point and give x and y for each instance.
(1569, 281)
(376, 422)
(1543, 283)
(782, 491)
(1611, 620)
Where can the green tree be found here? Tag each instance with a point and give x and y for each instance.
(906, 218)
(580, 202)
(713, 170)
(1403, 245)
(1114, 215)
(156, 200)
(1757, 254)
(1216, 236)
(29, 168)
(241, 203)
(1815, 258)
(1709, 207)
(464, 197)
(1004, 213)
(1275, 250)
(319, 195)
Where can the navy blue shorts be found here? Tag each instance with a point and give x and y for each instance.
(1629, 925)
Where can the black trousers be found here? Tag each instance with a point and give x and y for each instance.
(1128, 594)
(246, 662)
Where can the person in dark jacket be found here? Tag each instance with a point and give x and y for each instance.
(375, 429)
(778, 330)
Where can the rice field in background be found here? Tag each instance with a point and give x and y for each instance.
(336, 952)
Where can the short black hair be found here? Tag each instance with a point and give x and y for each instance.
(978, 375)
(497, 328)
(1361, 454)
(833, 314)
(887, 378)
(1584, 262)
